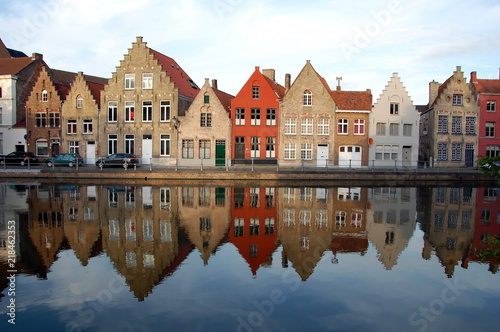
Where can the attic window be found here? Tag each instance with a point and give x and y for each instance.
(307, 98)
(193, 84)
(394, 108)
(45, 96)
(457, 99)
(255, 92)
(79, 101)
(206, 99)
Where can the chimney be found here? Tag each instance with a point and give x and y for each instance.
(288, 81)
(473, 77)
(214, 84)
(433, 91)
(269, 73)
(37, 56)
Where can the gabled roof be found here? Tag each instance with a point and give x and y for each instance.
(187, 87)
(224, 98)
(12, 66)
(63, 79)
(278, 89)
(487, 86)
(353, 100)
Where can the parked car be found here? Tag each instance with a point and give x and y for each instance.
(69, 159)
(117, 159)
(21, 158)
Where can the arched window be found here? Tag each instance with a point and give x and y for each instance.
(307, 98)
(79, 101)
(45, 96)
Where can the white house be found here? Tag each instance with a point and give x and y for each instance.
(394, 128)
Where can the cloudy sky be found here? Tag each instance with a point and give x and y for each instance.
(362, 41)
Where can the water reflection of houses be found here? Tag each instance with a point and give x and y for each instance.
(254, 224)
(141, 234)
(315, 220)
(448, 223)
(204, 213)
(391, 221)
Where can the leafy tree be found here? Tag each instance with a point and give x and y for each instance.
(490, 165)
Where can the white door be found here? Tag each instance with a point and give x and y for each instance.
(322, 155)
(350, 156)
(90, 153)
(147, 149)
(406, 155)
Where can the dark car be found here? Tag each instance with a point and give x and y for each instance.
(69, 159)
(20, 158)
(117, 159)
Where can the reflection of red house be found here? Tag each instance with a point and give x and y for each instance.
(254, 228)
(255, 115)
(487, 222)
(488, 93)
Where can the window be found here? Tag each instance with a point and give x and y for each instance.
(54, 119)
(394, 129)
(129, 143)
(255, 147)
(71, 127)
(380, 128)
(45, 96)
(165, 110)
(255, 117)
(187, 149)
(240, 117)
(306, 126)
(359, 127)
(147, 111)
(456, 151)
(456, 124)
(491, 106)
(206, 98)
(342, 126)
(457, 99)
(1, 115)
(112, 111)
(206, 119)
(239, 224)
(407, 129)
(204, 149)
(289, 151)
(470, 125)
(394, 108)
(290, 126)
(323, 126)
(490, 129)
(164, 145)
(129, 111)
(270, 147)
(307, 98)
(386, 152)
(112, 144)
(74, 147)
(41, 119)
(492, 151)
(147, 80)
(87, 126)
(42, 147)
(79, 101)
(254, 230)
(442, 151)
(443, 124)
(255, 92)
(306, 151)
(271, 117)
(129, 81)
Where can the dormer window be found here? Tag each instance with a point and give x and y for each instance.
(45, 96)
(79, 101)
(307, 98)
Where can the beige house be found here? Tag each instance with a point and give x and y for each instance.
(205, 130)
(449, 127)
(79, 118)
(307, 114)
(142, 103)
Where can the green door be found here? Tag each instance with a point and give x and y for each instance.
(220, 153)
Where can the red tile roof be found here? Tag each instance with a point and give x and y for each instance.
(182, 81)
(487, 86)
(63, 80)
(12, 66)
(20, 124)
(353, 100)
(224, 98)
(279, 89)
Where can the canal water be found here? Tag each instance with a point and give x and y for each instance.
(208, 258)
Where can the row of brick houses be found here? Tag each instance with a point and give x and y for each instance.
(152, 108)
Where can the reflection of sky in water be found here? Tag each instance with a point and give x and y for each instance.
(345, 292)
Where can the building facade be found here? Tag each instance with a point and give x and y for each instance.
(142, 104)
(255, 114)
(205, 130)
(449, 127)
(394, 127)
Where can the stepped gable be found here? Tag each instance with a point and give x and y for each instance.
(63, 81)
(187, 87)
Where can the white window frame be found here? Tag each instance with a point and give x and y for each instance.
(343, 126)
(306, 126)
(165, 111)
(290, 151)
(129, 82)
(147, 111)
(87, 126)
(147, 80)
(165, 145)
(324, 126)
(71, 127)
(359, 124)
(112, 111)
(129, 111)
(290, 126)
